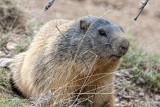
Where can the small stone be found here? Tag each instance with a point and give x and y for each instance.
(5, 62)
(141, 81)
(119, 74)
(157, 97)
(118, 105)
(117, 99)
(11, 46)
(2, 54)
(141, 94)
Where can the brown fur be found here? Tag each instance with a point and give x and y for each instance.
(45, 67)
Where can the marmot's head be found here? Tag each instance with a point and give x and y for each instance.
(97, 36)
(105, 38)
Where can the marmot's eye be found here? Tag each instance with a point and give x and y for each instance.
(102, 32)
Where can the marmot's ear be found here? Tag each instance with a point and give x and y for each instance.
(84, 25)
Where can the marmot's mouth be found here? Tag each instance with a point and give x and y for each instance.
(116, 56)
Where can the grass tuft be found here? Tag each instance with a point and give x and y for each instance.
(3, 78)
(11, 17)
(147, 66)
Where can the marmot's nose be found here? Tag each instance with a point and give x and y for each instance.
(123, 47)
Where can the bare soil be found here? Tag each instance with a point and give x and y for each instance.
(146, 29)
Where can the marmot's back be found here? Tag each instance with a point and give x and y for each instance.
(24, 62)
(64, 53)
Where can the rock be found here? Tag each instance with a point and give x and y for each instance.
(141, 94)
(119, 74)
(2, 54)
(5, 62)
(140, 81)
(157, 97)
(117, 99)
(11, 46)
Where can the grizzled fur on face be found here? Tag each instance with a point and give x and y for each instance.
(92, 35)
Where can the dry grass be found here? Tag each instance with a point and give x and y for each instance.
(11, 17)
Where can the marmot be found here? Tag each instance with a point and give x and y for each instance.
(75, 60)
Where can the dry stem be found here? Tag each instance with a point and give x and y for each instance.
(49, 4)
(141, 9)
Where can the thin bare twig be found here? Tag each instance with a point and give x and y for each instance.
(49, 5)
(141, 9)
(60, 32)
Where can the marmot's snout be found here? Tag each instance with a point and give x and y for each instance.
(122, 47)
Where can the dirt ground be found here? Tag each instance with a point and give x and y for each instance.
(146, 29)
